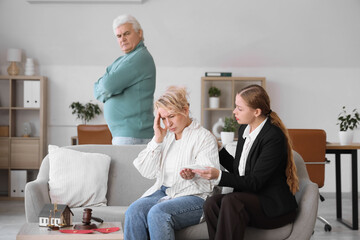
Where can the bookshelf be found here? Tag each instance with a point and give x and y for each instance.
(22, 103)
(229, 86)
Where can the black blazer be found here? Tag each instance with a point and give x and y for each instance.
(264, 170)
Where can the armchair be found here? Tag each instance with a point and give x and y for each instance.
(94, 134)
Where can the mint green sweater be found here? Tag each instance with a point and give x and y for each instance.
(127, 89)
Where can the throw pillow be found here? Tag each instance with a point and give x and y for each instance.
(78, 179)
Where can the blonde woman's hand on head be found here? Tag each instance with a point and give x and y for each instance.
(160, 132)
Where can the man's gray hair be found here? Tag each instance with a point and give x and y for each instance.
(122, 19)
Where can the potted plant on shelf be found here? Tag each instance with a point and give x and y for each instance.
(214, 100)
(229, 129)
(347, 123)
(85, 112)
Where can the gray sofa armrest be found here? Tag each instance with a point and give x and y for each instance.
(37, 192)
(36, 196)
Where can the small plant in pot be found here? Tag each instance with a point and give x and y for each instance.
(229, 129)
(85, 112)
(214, 100)
(347, 123)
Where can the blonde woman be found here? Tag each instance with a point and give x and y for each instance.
(263, 173)
(174, 201)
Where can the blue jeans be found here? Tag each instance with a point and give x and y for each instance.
(129, 141)
(148, 218)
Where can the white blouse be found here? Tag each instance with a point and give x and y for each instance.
(170, 163)
(197, 146)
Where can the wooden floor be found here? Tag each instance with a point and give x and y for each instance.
(12, 216)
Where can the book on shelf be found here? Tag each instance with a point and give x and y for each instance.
(218, 74)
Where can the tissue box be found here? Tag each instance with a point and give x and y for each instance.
(4, 131)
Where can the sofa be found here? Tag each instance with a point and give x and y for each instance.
(125, 185)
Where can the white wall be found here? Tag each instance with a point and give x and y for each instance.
(308, 51)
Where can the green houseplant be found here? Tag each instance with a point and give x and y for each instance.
(85, 112)
(214, 94)
(228, 131)
(347, 123)
(230, 125)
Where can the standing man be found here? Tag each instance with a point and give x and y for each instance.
(127, 88)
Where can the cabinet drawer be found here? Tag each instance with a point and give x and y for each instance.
(4, 153)
(25, 154)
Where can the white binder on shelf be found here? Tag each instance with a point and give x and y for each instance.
(36, 94)
(27, 94)
(18, 182)
(31, 94)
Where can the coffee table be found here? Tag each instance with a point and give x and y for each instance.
(31, 231)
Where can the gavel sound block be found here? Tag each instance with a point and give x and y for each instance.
(87, 221)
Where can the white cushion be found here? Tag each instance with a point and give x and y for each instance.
(78, 179)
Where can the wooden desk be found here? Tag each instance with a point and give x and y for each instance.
(337, 149)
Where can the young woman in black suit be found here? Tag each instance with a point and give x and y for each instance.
(263, 172)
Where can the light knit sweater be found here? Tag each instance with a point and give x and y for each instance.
(198, 146)
(127, 91)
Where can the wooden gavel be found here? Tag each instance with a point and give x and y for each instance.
(86, 220)
(87, 217)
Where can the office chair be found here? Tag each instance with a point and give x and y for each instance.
(93, 134)
(311, 145)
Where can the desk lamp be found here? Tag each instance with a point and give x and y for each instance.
(13, 56)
